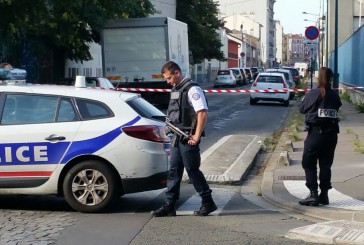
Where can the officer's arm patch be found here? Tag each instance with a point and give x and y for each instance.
(175, 95)
(195, 96)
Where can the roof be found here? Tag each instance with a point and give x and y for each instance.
(270, 74)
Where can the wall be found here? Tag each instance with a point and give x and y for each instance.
(351, 62)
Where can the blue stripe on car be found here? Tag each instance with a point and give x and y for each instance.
(52, 153)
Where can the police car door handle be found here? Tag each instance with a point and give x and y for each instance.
(54, 137)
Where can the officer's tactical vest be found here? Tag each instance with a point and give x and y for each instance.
(327, 117)
(180, 112)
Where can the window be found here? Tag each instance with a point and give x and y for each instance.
(66, 111)
(26, 109)
(224, 72)
(145, 109)
(90, 109)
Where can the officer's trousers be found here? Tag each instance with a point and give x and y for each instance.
(188, 157)
(319, 147)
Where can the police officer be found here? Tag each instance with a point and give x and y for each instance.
(188, 111)
(320, 106)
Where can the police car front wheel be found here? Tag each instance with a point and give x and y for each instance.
(90, 186)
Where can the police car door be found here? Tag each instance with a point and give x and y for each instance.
(36, 130)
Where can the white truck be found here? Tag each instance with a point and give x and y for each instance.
(302, 68)
(134, 51)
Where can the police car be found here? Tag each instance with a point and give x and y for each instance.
(86, 144)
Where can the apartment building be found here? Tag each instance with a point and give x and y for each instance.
(278, 42)
(261, 12)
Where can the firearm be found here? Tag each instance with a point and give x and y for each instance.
(183, 137)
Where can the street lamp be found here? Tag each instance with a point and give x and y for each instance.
(336, 74)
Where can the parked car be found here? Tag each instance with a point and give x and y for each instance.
(260, 69)
(248, 74)
(243, 79)
(255, 72)
(225, 78)
(288, 76)
(238, 75)
(88, 145)
(267, 80)
(295, 73)
(101, 82)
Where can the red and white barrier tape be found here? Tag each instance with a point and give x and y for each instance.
(161, 90)
(225, 90)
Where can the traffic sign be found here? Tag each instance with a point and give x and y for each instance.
(312, 32)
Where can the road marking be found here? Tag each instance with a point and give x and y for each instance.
(221, 198)
(214, 147)
(337, 199)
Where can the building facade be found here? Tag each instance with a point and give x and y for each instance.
(261, 11)
(279, 43)
(296, 48)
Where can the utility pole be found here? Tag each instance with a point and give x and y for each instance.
(336, 74)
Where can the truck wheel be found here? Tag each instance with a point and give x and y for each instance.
(90, 186)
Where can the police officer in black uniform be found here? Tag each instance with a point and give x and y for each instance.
(188, 111)
(320, 106)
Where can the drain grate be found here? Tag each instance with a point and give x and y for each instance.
(291, 177)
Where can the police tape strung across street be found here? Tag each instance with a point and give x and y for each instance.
(225, 90)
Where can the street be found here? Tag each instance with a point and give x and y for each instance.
(243, 217)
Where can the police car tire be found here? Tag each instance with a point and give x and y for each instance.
(286, 103)
(110, 198)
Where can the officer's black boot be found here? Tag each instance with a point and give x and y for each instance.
(324, 198)
(208, 206)
(167, 209)
(311, 200)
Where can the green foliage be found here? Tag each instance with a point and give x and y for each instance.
(203, 23)
(345, 96)
(358, 145)
(359, 106)
(66, 26)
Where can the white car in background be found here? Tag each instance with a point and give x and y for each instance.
(89, 145)
(225, 78)
(289, 78)
(270, 81)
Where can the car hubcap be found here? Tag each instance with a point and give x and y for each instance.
(90, 187)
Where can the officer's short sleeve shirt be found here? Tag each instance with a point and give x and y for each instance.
(197, 99)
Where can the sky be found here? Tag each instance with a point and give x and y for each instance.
(289, 12)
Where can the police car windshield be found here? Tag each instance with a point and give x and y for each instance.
(145, 109)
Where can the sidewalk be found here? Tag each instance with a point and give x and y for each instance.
(284, 183)
(229, 160)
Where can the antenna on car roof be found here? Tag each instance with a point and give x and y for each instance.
(80, 82)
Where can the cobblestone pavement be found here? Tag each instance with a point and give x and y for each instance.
(32, 227)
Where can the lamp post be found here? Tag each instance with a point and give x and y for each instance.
(327, 35)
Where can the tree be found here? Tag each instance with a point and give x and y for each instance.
(60, 29)
(201, 16)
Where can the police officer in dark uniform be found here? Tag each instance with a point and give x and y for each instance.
(320, 106)
(188, 111)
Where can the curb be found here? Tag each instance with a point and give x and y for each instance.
(238, 169)
(320, 212)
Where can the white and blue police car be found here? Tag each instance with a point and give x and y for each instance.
(86, 144)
